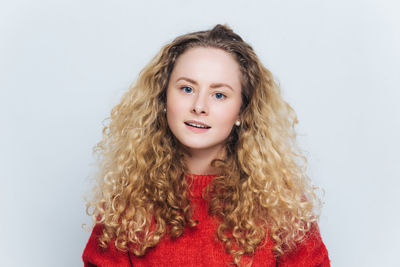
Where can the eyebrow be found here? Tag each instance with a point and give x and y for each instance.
(213, 85)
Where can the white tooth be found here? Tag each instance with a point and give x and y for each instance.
(197, 125)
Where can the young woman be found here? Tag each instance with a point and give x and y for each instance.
(199, 166)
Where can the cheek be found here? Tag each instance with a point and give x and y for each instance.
(228, 115)
(175, 109)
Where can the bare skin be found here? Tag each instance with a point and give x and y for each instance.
(203, 104)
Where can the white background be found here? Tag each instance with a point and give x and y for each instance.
(65, 64)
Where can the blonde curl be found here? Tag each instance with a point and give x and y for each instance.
(263, 190)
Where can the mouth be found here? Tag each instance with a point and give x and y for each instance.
(197, 124)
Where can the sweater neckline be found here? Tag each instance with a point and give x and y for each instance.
(200, 181)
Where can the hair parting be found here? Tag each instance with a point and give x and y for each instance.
(262, 190)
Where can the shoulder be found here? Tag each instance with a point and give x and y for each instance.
(95, 255)
(311, 251)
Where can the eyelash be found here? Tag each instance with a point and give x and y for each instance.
(224, 96)
(183, 88)
(218, 93)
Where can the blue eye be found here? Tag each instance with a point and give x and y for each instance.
(187, 89)
(220, 95)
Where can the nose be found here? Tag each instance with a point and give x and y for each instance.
(200, 105)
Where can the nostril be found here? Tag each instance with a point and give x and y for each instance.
(198, 109)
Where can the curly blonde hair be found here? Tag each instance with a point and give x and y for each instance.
(262, 190)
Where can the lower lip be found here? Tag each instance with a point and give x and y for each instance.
(197, 130)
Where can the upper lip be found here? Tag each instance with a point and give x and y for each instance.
(198, 122)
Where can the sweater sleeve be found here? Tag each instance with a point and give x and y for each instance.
(311, 252)
(95, 256)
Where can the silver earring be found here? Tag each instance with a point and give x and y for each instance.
(237, 123)
(165, 109)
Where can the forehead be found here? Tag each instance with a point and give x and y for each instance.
(208, 65)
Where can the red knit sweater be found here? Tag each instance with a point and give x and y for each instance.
(198, 246)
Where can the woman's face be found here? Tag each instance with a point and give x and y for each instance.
(204, 98)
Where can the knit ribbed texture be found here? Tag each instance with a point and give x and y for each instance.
(199, 183)
(199, 247)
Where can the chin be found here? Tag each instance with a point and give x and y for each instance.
(196, 146)
(200, 146)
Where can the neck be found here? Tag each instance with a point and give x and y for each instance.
(199, 161)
